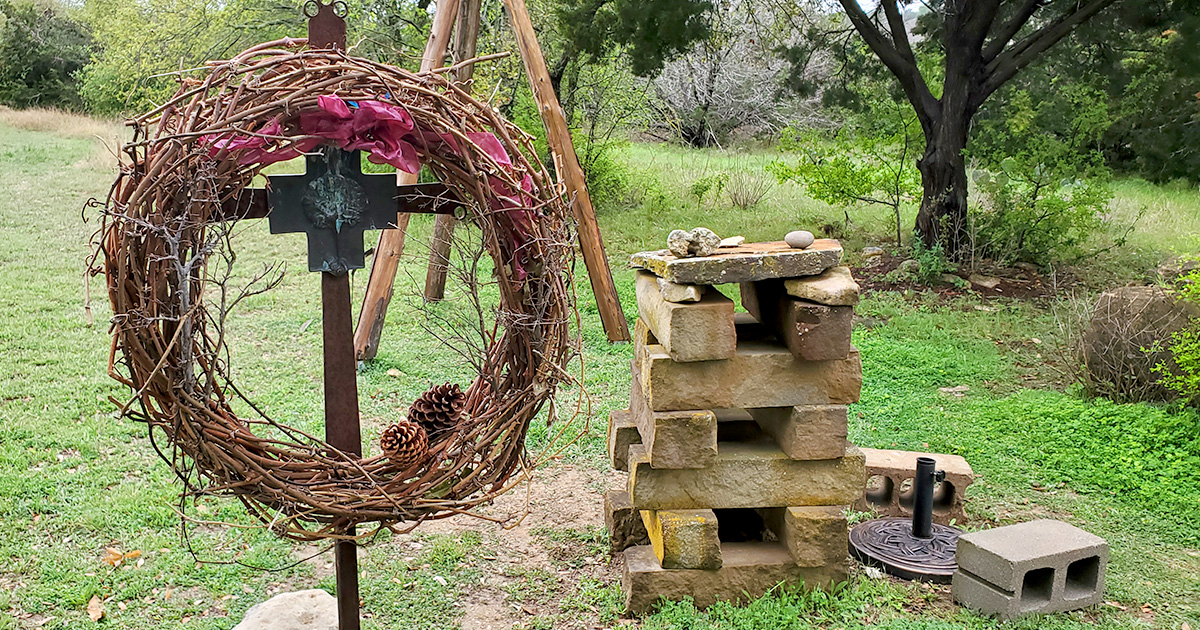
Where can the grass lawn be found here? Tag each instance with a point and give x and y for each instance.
(76, 481)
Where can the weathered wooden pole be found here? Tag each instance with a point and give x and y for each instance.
(566, 162)
(466, 37)
(391, 241)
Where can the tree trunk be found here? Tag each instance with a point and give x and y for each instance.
(943, 214)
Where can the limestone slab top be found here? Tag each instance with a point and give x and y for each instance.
(746, 263)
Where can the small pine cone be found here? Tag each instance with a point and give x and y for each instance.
(438, 410)
(405, 443)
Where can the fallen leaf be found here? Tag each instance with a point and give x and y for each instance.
(394, 373)
(1115, 605)
(95, 609)
(133, 554)
(1185, 626)
(112, 556)
(957, 391)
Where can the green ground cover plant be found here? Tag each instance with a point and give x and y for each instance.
(76, 481)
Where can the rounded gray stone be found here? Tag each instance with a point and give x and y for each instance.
(313, 609)
(799, 239)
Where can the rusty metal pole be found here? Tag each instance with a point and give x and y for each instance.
(341, 422)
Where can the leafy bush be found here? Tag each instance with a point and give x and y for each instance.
(864, 163)
(1184, 378)
(1044, 189)
(1030, 212)
(709, 186)
(42, 47)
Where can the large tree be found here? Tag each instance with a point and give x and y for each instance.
(983, 44)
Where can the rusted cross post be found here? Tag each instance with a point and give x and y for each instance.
(333, 202)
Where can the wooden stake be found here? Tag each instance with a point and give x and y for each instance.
(558, 135)
(466, 37)
(391, 242)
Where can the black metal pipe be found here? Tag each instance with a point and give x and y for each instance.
(922, 520)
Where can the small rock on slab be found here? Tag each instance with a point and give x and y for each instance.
(835, 287)
(747, 263)
(799, 239)
(699, 242)
(732, 241)
(313, 609)
(680, 293)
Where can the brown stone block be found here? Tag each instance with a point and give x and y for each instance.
(673, 439)
(889, 489)
(761, 374)
(748, 571)
(835, 287)
(696, 331)
(622, 432)
(684, 539)
(811, 331)
(806, 431)
(815, 535)
(625, 526)
(746, 475)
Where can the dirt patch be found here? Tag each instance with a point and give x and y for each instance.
(1017, 283)
(541, 562)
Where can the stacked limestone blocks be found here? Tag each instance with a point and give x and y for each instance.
(740, 474)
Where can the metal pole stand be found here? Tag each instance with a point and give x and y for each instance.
(916, 549)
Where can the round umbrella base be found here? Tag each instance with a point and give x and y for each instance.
(888, 543)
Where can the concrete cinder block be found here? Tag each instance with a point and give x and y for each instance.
(697, 331)
(748, 571)
(814, 535)
(760, 374)
(746, 475)
(625, 526)
(1041, 566)
(684, 539)
(806, 431)
(887, 472)
(673, 439)
(811, 331)
(622, 432)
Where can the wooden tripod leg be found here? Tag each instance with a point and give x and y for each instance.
(466, 36)
(391, 242)
(558, 135)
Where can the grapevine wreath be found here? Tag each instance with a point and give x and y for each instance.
(163, 228)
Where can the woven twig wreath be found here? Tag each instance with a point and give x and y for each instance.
(162, 225)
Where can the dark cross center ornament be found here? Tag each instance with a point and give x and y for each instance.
(333, 202)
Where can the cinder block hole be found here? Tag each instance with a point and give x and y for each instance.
(1082, 576)
(1037, 587)
(879, 490)
(740, 525)
(944, 494)
(907, 494)
(739, 431)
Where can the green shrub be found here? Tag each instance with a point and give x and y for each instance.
(42, 47)
(1184, 379)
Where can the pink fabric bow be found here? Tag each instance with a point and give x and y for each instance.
(389, 136)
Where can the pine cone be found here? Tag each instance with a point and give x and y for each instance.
(438, 410)
(405, 443)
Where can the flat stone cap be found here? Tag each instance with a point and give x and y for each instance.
(746, 263)
(1032, 540)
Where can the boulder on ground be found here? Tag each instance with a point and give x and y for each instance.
(1128, 335)
(313, 609)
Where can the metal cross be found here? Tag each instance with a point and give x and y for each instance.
(333, 202)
